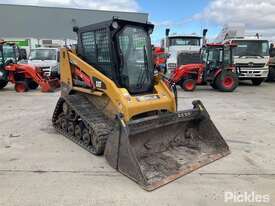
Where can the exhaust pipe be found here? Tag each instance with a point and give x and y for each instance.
(204, 41)
(167, 31)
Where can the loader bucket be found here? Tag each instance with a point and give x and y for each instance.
(50, 85)
(155, 151)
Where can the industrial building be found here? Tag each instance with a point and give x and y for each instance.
(50, 26)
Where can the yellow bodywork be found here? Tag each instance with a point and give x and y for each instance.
(124, 103)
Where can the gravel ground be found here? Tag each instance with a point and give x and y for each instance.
(40, 167)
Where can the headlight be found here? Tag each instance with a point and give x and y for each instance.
(1, 74)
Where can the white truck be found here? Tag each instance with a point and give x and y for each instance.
(175, 44)
(251, 55)
(47, 59)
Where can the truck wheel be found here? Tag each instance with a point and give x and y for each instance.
(257, 82)
(227, 82)
(21, 86)
(3, 83)
(271, 74)
(188, 85)
(32, 84)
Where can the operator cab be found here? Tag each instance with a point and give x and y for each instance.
(217, 56)
(11, 53)
(121, 50)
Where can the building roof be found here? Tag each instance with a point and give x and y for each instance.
(21, 21)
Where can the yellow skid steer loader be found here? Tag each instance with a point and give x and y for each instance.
(114, 102)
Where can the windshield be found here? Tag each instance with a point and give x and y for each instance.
(136, 68)
(251, 48)
(8, 52)
(184, 41)
(43, 54)
(217, 56)
(214, 57)
(227, 60)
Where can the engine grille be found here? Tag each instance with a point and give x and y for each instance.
(189, 58)
(251, 65)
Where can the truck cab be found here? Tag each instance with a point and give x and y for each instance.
(47, 59)
(174, 45)
(251, 58)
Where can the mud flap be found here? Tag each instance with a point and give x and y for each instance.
(157, 150)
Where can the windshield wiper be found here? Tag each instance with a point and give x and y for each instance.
(142, 73)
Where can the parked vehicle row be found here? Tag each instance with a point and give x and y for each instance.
(216, 68)
(16, 69)
(252, 58)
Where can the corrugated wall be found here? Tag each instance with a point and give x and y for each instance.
(53, 23)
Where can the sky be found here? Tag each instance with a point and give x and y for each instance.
(184, 16)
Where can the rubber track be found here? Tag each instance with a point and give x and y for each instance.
(92, 118)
